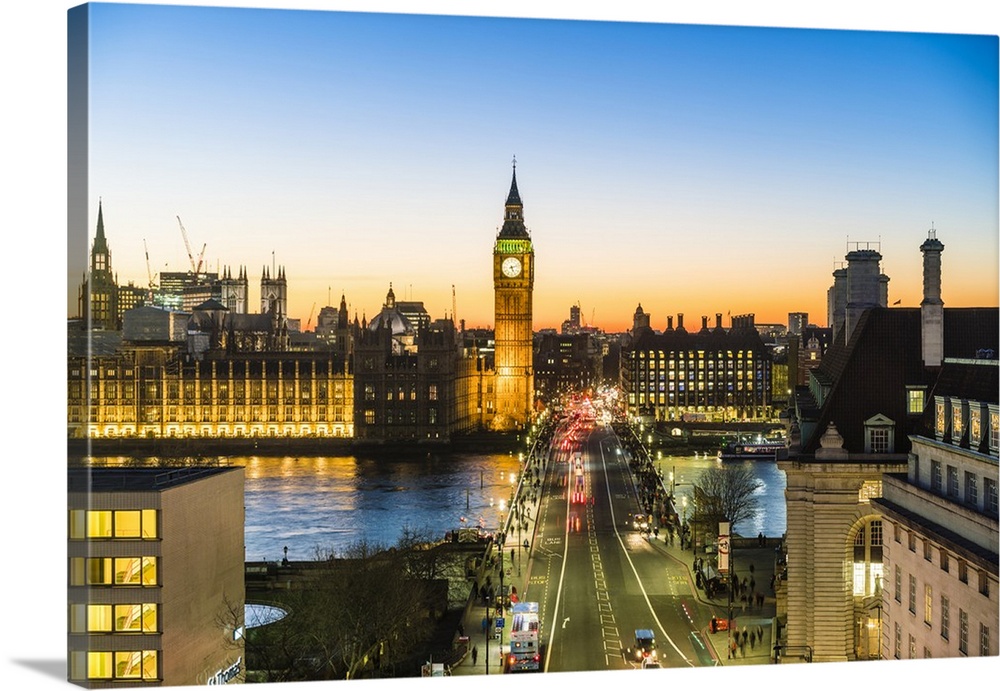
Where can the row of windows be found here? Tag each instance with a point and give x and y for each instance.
(131, 618)
(964, 488)
(965, 416)
(944, 560)
(985, 634)
(401, 417)
(692, 355)
(113, 571)
(126, 665)
(121, 524)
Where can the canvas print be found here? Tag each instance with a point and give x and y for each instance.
(412, 345)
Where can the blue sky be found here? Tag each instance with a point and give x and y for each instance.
(363, 149)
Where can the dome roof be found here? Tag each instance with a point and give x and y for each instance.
(391, 318)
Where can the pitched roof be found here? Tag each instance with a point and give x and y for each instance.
(869, 374)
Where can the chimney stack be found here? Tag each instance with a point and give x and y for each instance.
(680, 321)
(932, 307)
(718, 320)
(862, 286)
(704, 323)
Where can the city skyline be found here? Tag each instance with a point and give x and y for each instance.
(713, 166)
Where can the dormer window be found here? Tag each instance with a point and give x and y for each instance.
(957, 421)
(940, 418)
(914, 400)
(994, 430)
(975, 427)
(879, 435)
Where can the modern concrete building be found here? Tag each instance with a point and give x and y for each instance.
(156, 576)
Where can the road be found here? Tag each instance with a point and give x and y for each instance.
(596, 577)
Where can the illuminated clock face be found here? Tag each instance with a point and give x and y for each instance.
(511, 267)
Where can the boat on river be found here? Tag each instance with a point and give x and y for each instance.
(742, 450)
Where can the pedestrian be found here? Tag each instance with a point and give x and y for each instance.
(753, 639)
(475, 654)
(511, 555)
(743, 634)
(760, 632)
(732, 648)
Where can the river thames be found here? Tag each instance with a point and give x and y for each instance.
(315, 504)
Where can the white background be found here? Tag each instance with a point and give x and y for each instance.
(33, 221)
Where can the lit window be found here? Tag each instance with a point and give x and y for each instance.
(914, 401)
(99, 665)
(136, 618)
(928, 604)
(98, 524)
(870, 489)
(956, 422)
(135, 571)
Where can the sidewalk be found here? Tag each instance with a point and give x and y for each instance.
(750, 616)
(484, 645)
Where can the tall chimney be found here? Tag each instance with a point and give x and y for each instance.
(680, 320)
(704, 323)
(837, 301)
(883, 290)
(670, 323)
(932, 307)
(718, 320)
(862, 286)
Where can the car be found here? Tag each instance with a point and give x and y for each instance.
(645, 646)
(650, 663)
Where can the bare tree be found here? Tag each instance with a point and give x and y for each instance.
(726, 493)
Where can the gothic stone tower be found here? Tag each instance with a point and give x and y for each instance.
(274, 293)
(513, 279)
(234, 291)
(99, 292)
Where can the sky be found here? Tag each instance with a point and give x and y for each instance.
(933, 179)
(688, 168)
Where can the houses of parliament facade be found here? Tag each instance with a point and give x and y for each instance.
(216, 371)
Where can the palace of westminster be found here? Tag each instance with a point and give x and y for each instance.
(192, 361)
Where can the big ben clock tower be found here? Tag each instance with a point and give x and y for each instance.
(513, 279)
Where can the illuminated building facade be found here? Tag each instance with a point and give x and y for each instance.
(940, 590)
(513, 283)
(717, 374)
(156, 564)
(155, 391)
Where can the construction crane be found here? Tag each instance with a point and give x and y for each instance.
(187, 245)
(309, 323)
(195, 267)
(149, 272)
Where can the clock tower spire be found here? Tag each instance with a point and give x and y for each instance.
(513, 282)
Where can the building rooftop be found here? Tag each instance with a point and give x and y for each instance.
(117, 479)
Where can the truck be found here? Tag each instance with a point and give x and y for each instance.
(525, 638)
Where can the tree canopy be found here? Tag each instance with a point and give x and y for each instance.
(726, 492)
